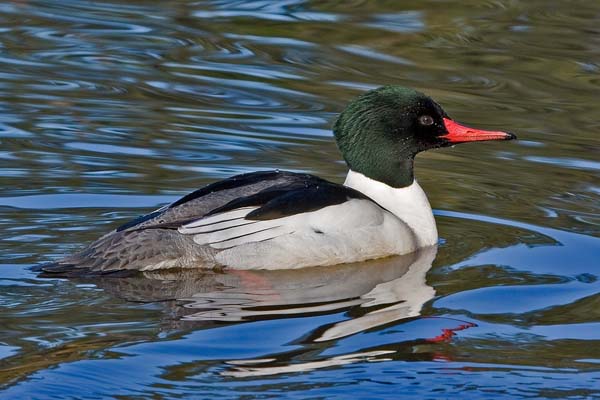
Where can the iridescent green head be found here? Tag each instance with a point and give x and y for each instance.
(380, 132)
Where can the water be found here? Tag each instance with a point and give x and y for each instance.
(109, 110)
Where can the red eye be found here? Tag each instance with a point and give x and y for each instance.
(426, 120)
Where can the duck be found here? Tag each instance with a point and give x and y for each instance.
(284, 220)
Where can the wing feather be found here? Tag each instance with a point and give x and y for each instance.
(217, 221)
(252, 237)
(277, 214)
(234, 232)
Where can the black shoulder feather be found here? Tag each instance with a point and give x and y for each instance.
(303, 200)
(234, 182)
(251, 189)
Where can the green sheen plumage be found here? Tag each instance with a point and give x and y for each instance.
(372, 134)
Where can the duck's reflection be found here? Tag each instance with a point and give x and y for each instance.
(379, 292)
(374, 294)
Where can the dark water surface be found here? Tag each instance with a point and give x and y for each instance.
(108, 110)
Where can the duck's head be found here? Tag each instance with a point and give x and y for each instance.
(381, 131)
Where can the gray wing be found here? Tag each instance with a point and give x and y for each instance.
(216, 195)
(144, 249)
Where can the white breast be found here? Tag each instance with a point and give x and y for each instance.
(410, 204)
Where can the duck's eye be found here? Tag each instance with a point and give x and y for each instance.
(426, 120)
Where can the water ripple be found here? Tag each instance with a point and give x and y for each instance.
(109, 110)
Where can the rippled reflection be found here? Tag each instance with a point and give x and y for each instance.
(109, 110)
(384, 291)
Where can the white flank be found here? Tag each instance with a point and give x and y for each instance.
(355, 230)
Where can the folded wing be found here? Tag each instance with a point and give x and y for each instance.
(273, 212)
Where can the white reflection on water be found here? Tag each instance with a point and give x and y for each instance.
(385, 290)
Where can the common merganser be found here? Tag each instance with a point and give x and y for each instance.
(283, 220)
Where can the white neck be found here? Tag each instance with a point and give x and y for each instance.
(409, 203)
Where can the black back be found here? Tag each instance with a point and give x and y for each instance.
(277, 194)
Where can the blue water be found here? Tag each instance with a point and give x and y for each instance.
(110, 110)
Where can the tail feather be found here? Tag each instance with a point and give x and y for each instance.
(65, 270)
(126, 252)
